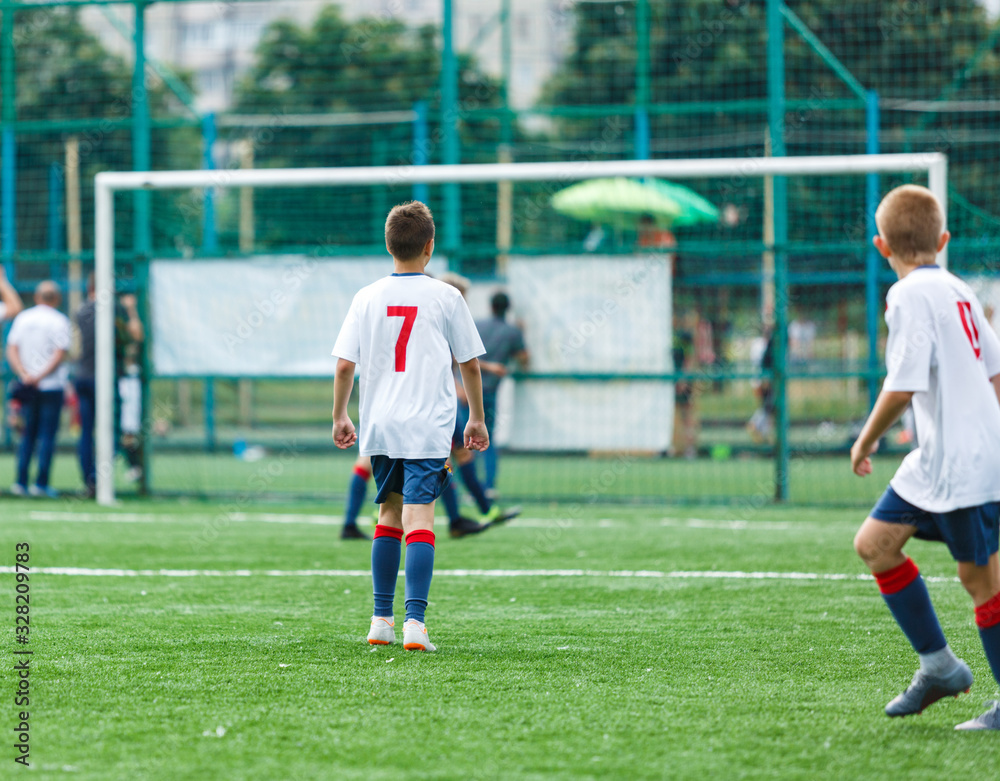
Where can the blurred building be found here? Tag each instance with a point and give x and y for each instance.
(216, 40)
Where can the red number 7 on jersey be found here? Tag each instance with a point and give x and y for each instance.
(969, 324)
(409, 314)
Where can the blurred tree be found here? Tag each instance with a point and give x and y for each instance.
(365, 65)
(63, 73)
(705, 56)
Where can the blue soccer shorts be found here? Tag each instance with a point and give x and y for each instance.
(419, 480)
(972, 534)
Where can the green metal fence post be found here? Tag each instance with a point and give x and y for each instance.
(873, 261)
(449, 128)
(209, 405)
(145, 442)
(8, 155)
(641, 130)
(141, 133)
(776, 129)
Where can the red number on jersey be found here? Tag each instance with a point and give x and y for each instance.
(409, 314)
(969, 324)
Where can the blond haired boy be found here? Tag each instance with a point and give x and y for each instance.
(944, 359)
(403, 330)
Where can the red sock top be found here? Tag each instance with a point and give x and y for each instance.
(388, 531)
(421, 535)
(894, 580)
(363, 473)
(988, 613)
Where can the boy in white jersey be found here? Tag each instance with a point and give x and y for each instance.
(403, 331)
(943, 358)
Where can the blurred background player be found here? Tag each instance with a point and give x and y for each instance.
(37, 344)
(404, 331)
(458, 524)
(463, 460)
(943, 357)
(504, 343)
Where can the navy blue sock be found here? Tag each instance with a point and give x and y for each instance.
(355, 496)
(449, 497)
(988, 621)
(385, 567)
(905, 592)
(419, 569)
(468, 473)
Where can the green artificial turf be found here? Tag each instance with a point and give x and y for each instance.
(286, 471)
(538, 676)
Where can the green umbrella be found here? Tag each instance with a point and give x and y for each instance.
(694, 208)
(624, 202)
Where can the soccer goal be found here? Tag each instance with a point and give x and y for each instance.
(597, 298)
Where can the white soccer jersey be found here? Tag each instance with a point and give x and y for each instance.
(943, 349)
(38, 332)
(402, 332)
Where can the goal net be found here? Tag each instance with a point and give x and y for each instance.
(652, 370)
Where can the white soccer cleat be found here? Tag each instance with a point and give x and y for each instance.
(382, 631)
(415, 637)
(989, 720)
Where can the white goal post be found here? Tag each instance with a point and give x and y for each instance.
(935, 165)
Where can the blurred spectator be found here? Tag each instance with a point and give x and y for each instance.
(687, 360)
(652, 236)
(593, 240)
(761, 423)
(504, 343)
(128, 330)
(37, 344)
(801, 340)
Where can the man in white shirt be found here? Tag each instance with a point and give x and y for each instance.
(403, 331)
(944, 358)
(37, 344)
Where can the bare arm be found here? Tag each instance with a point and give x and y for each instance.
(888, 407)
(134, 325)
(14, 359)
(9, 296)
(493, 367)
(343, 383)
(995, 379)
(476, 435)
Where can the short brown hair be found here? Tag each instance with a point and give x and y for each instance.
(408, 228)
(911, 221)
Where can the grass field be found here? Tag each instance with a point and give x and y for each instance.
(585, 640)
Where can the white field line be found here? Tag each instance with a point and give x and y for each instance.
(336, 520)
(294, 518)
(456, 573)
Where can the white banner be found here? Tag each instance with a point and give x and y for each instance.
(269, 317)
(279, 317)
(593, 315)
